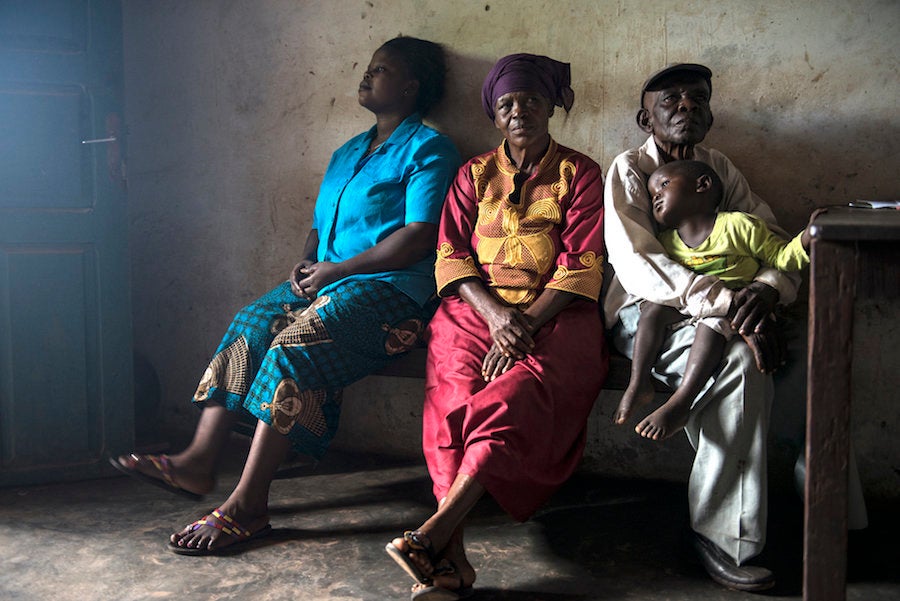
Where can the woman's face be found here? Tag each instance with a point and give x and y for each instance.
(387, 85)
(523, 117)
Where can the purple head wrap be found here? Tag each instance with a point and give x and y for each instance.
(528, 72)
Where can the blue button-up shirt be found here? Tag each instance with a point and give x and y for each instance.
(364, 199)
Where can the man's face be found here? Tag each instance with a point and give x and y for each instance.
(678, 112)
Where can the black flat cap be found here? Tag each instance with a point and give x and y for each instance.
(687, 68)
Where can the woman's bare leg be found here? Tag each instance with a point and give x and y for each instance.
(248, 504)
(444, 530)
(194, 469)
(455, 552)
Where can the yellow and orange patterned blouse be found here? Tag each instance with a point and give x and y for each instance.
(548, 233)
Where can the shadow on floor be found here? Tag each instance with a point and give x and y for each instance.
(597, 539)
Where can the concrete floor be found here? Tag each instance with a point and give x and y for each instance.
(598, 539)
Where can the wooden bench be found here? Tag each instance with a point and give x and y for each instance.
(412, 365)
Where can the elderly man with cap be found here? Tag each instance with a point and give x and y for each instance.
(728, 421)
(516, 352)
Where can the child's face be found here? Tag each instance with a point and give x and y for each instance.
(671, 196)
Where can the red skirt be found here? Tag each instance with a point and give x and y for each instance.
(522, 435)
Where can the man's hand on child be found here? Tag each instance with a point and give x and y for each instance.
(751, 306)
(768, 346)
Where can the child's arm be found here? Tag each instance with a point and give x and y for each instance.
(769, 248)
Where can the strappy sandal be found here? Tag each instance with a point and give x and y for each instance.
(437, 593)
(162, 464)
(228, 525)
(417, 542)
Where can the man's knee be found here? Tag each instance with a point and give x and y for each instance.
(740, 363)
(740, 371)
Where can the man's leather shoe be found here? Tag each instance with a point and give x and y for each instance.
(726, 572)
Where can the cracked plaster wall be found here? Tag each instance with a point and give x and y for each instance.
(233, 109)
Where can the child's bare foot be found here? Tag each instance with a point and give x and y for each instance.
(640, 392)
(665, 421)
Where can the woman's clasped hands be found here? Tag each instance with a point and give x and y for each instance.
(511, 332)
(309, 277)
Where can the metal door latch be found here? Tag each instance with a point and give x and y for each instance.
(100, 140)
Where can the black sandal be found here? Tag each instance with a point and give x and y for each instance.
(436, 593)
(417, 542)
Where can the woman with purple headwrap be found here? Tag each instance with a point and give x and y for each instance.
(516, 353)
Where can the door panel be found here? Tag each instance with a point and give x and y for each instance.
(65, 324)
(54, 26)
(46, 167)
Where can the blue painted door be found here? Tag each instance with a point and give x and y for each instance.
(65, 323)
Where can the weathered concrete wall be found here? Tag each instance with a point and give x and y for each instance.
(233, 109)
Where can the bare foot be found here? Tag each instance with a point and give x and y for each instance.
(212, 536)
(171, 469)
(665, 421)
(640, 392)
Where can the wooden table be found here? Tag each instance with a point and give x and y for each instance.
(855, 253)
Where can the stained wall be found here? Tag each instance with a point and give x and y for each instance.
(233, 109)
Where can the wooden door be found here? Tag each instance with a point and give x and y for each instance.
(65, 315)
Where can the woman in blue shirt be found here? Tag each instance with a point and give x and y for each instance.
(358, 298)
